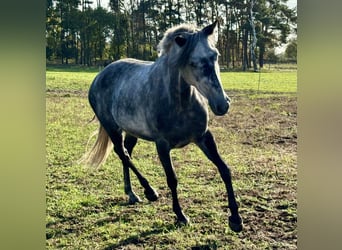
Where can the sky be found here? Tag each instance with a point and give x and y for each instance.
(104, 3)
(292, 3)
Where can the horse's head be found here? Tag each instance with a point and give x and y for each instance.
(201, 69)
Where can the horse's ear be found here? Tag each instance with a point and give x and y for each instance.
(180, 40)
(209, 29)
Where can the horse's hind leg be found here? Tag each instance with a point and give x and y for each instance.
(117, 140)
(130, 142)
(132, 197)
(124, 155)
(150, 193)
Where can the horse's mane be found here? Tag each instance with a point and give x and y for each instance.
(165, 44)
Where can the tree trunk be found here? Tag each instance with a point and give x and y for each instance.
(245, 50)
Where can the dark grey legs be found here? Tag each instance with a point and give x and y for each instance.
(164, 156)
(124, 151)
(206, 143)
(208, 146)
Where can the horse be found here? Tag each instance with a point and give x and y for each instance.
(165, 101)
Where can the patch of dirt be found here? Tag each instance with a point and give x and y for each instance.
(66, 93)
(272, 120)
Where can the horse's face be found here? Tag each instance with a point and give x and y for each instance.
(202, 71)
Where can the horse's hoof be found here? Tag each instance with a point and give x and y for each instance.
(151, 195)
(235, 224)
(182, 222)
(134, 199)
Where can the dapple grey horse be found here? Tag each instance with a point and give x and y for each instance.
(166, 102)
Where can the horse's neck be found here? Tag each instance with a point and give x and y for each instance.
(180, 90)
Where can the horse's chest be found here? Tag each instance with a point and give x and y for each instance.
(192, 122)
(183, 127)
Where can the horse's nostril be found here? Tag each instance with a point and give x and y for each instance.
(222, 109)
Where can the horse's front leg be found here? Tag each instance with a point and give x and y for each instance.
(208, 146)
(164, 156)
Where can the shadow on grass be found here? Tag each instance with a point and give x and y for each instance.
(73, 223)
(140, 238)
(204, 247)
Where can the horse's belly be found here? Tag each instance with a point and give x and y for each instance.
(134, 124)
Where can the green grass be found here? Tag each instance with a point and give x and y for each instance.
(87, 208)
(262, 81)
(69, 80)
(286, 82)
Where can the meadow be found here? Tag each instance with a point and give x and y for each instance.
(86, 208)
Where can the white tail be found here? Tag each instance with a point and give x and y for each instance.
(99, 152)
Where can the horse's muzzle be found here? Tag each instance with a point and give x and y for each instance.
(221, 108)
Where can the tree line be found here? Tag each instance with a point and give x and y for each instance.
(78, 33)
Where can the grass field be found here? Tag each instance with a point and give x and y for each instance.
(87, 208)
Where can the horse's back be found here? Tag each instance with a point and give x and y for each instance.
(117, 74)
(119, 70)
(117, 93)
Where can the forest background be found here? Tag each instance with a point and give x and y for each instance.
(88, 33)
